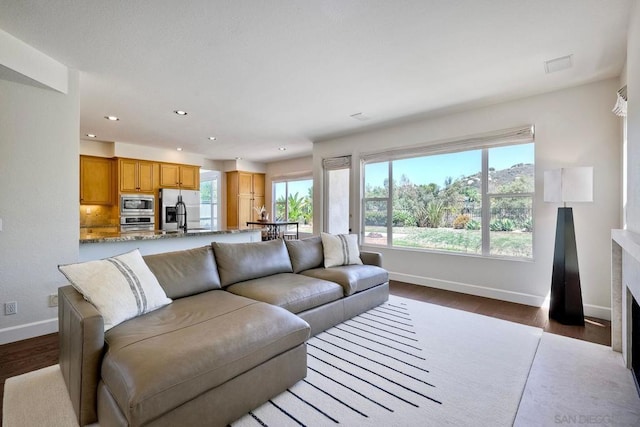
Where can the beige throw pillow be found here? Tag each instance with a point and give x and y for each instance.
(121, 287)
(340, 249)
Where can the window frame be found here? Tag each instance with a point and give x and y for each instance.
(215, 177)
(485, 143)
(286, 180)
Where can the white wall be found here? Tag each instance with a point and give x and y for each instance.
(574, 127)
(97, 148)
(633, 120)
(143, 152)
(38, 201)
(21, 62)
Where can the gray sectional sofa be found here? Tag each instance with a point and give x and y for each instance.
(233, 337)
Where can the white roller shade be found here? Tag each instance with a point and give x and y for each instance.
(518, 135)
(342, 162)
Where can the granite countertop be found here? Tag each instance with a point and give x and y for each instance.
(93, 236)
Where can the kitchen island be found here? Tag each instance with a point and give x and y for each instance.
(97, 244)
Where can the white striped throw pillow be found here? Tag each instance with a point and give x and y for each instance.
(340, 249)
(121, 287)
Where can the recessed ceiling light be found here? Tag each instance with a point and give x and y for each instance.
(90, 135)
(238, 158)
(179, 148)
(212, 138)
(180, 112)
(112, 118)
(282, 148)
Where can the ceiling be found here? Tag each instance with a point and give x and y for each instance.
(260, 75)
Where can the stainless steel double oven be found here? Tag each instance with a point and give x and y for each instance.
(137, 212)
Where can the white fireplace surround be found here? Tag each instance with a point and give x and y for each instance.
(625, 282)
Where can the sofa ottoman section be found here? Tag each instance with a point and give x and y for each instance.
(162, 360)
(292, 292)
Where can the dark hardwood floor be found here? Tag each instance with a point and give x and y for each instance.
(595, 330)
(35, 353)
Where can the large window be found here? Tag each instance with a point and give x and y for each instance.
(293, 201)
(475, 201)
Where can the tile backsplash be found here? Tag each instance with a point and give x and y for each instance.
(97, 215)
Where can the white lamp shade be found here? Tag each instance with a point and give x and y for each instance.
(569, 185)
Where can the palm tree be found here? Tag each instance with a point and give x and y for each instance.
(296, 205)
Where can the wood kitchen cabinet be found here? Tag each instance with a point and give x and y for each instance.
(97, 181)
(179, 176)
(136, 176)
(245, 191)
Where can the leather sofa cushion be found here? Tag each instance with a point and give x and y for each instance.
(353, 278)
(293, 292)
(159, 361)
(184, 273)
(238, 262)
(305, 253)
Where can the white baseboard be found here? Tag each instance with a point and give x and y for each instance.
(29, 330)
(499, 294)
(597, 311)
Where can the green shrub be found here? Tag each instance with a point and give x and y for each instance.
(375, 218)
(403, 219)
(461, 221)
(527, 225)
(502, 224)
(435, 212)
(422, 217)
(473, 225)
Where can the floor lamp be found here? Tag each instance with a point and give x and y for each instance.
(567, 185)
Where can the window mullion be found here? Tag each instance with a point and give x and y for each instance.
(510, 195)
(286, 201)
(486, 203)
(390, 208)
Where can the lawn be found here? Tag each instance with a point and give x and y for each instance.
(503, 243)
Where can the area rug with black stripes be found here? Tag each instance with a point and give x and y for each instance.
(403, 363)
(408, 363)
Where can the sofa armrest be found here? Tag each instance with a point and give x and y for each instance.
(81, 334)
(371, 258)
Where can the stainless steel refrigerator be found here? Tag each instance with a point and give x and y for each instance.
(169, 214)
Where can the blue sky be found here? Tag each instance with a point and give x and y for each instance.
(425, 170)
(300, 187)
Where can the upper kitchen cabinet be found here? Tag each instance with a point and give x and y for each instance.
(136, 176)
(97, 181)
(179, 176)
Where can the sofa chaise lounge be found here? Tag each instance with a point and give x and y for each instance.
(232, 338)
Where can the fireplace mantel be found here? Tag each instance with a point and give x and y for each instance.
(625, 282)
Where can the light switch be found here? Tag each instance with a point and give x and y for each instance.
(0, 224)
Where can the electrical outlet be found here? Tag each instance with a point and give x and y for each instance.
(53, 300)
(10, 308)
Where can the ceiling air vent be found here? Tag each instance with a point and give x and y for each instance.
(558, 64)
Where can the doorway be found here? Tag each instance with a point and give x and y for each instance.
(337, 195)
